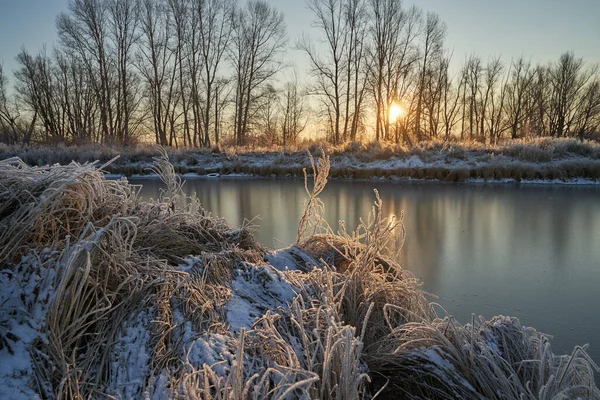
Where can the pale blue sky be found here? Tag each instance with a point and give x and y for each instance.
(538, 29)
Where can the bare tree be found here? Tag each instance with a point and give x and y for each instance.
(440, 100)
(156, 63)
(294, 120)
(77, 97)
(490, 105)
(588, 110)
(431, 95)
(388, 18)
(84, 30)
(339, 69)
(356, 24)
(223, 90)
(36, 88)
(179, 9)
(195, 71)
(329, 70)
(193, 68)
(122, 21)
(268, 115)
(567, 78)
(450, 98)
(216, 19)
(517, 93)
(433, 41)
(13, 128)
(472, 72)
(259, 36)
(393, 57)
(7, 119)
(538, 101)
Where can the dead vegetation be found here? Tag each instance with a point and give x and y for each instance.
(163, 300)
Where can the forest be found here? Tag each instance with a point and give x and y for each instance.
(205, 73)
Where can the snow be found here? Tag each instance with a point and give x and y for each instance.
(444, 367)
(241, 313)
(113, 176)
(130, 361)
(212, 350)
(25, 296)
(414, 161)
(27, 290)
(558, 182)
(291, 258)
(574, 181)
(144, 176)
(191, 263)
(433, 354)
(282, 260)
(254, 290)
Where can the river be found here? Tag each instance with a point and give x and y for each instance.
(532, 252)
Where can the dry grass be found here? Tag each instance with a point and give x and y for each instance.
(138, 159)
(144, 296)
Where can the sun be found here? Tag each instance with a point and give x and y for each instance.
(395, 112)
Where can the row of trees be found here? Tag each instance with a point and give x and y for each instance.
(176, 68)
(380, 55)
(197, 72)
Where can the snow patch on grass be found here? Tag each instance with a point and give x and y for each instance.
(255, 290)
(291, 258)
(213, 350)
(26, 291)
(130, 361)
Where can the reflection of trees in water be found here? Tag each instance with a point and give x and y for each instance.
(276, 203)
(542, 218)
(426, 223)
(561, 210)
(348, 202)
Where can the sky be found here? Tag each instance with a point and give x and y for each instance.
(540, 30)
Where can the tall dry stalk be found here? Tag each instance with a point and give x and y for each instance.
(312, 219)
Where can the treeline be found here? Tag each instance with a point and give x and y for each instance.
(202, 72)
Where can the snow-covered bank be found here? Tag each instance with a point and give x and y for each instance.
(104, 294)
(470, 166)
(543, 160)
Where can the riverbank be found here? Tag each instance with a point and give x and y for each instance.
(543, 160)
(104, 294)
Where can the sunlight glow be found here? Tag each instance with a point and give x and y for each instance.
(396, 111)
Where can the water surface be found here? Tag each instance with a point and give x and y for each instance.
(531, 252)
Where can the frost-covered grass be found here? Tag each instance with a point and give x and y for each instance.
(544, 159)
(107, 296)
